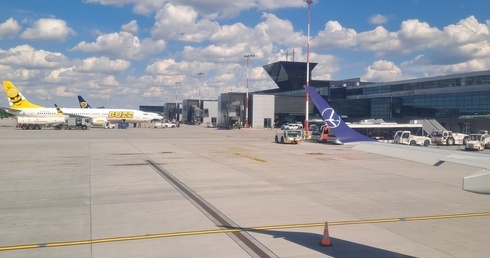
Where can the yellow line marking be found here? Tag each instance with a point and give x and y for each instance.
(249, 157)
(220, 231)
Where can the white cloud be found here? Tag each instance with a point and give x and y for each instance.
(102, 65)
(382, 71)
(334, 35)
(182, 23)
(421, 65)
(122, 45)
(416, 35)
(278, 4)
(210, 9)
(26, 56)
(326, 68)
(171, 67)
(468, 30)
(9, 28)
(378, 19)
(131, 27)
(278, 31)
(61, 91)
(48, 30)
(379, 40)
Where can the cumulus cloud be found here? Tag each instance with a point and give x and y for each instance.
(334, 35)
(48, 30)
(382, 71)
(466, 41)
(122, 45)
(231, 42)
(278, 31)
(102, 65)
(9, 28)
(211, 9)
(378, 19)
(182, 23)
(172, 67)
(131, 27)
(61, 91)
(277, 4)
(27, 57)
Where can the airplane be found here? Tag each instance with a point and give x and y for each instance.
(478, 182)
(21, 106)
(84, 104)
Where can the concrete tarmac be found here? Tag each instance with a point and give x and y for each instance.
(204, 192)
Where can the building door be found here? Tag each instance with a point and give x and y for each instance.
(267, 123)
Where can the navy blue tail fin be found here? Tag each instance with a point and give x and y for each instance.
(341, 130)
(83, 103)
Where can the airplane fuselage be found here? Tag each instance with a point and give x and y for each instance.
(111, 115)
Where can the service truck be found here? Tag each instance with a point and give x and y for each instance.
(406, 137)
(449, 138)
(27, 122)
(289, 136)
(74, 123)
(477, 142)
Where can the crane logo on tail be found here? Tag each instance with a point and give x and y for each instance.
(331, 118)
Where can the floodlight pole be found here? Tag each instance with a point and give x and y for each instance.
(246, 97)
(308, 2)
(200, 85)
(177, 84)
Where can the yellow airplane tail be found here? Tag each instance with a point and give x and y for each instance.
(16, 99)
(58, 110)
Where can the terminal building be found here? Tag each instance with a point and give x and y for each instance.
(459, 102)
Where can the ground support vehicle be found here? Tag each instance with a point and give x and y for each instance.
(74, 123)
(289, 136)
(477, 142)
(448, 138)
(109, 126)
(26, 122)
(123, 125)
(406, 137)
(290, 126)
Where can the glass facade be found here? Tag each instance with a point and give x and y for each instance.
(455, 101)
(455, 96)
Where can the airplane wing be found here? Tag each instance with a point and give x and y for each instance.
(59, 112)
(11, 111)
(478, 182)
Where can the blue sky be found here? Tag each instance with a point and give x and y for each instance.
(126, 53)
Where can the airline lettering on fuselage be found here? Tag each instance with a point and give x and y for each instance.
(121, 114)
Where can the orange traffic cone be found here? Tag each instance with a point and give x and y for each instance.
(326, 237)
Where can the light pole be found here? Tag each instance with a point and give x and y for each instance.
(177, 84)
(247, 56)
(200, 85)
(308, 2)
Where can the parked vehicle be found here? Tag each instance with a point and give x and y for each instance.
(123, 125)
(74, 123)
(289, 136)
(477, 142)
(290, 126)
(406, 137)
(448, 138)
